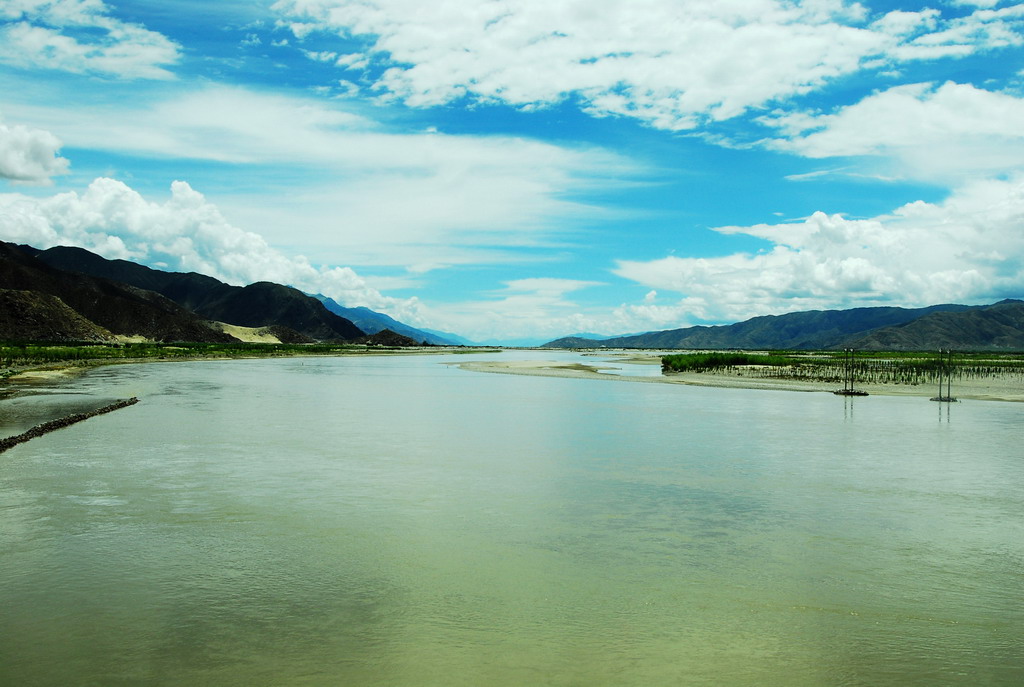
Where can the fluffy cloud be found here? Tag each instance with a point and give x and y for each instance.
(29, 155)
(420, 200)
(932, 132)
(670, 63)
(184, 233)
(966, 249)
(81, 37)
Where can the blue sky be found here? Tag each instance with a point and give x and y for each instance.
(516, 170)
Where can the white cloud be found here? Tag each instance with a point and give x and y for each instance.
(29, 155)
(974, 3)
(964, 35)
(936, 133)
(421, 200)
(299, 29)
(549, 287)
(966, 249)
(81, 37)
(536, 308)
(321, 56)
(670, 63)
(184, 233)
(541, 309)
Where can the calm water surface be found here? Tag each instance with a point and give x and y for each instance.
(398, 521)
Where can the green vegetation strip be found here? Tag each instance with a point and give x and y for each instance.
(699, 362)
(60, 423)
(900, 367)
(15, 354)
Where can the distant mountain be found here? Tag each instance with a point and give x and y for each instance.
(263, 304)
(455, 339)
(587, 342)
(372, 322)
(111, 307)
(524, 342)
(883, 328)
(386, 337)
(994, 327)
(600, 337)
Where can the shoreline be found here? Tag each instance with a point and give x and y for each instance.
(25, 379)
(42, 373)
(37, 383)
(986, 389)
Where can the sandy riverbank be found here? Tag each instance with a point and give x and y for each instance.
(601, 366)
(1001, 388)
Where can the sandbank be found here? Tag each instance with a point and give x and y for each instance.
(993, 388)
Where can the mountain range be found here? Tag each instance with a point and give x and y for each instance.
(58, 305)
(999, 326)
(67, 293)
(71, 294)
(373, 322)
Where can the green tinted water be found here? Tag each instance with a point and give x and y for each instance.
(397, 521)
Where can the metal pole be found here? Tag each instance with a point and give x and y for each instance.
(949, 376)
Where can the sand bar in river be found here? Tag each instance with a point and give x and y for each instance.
(992, 388)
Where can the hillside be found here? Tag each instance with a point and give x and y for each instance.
(119, 309)
(263, 304)
(883, 328)
(995, 327)
(389, 339)
(34, 316)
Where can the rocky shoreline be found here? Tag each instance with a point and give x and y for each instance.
(47, 427)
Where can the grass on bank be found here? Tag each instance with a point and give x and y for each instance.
(901, 367)
(20, 355)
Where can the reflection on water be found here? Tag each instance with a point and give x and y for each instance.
(399, 521)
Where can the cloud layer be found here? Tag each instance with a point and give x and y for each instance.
(941, 132)
(672, 64)
(379, 197)
(967, 249)
(186, 233)
(80, 36)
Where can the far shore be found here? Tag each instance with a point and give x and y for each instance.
(1009, 388)
(23, 377)
(993, 388)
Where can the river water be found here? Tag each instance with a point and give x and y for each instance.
(400, 521)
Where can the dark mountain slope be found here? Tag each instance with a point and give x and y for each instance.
(994, 327)
(265, 303)
(261, 304)
(34, 316)
(388, 338)
(813, 329)
(119, 308)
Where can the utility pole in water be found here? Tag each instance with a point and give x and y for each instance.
(946, 369)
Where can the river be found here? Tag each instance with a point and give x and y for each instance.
(400, 521)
